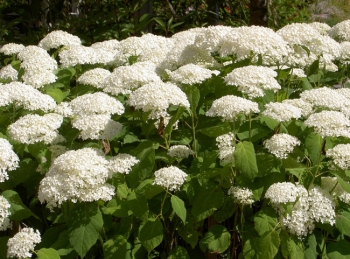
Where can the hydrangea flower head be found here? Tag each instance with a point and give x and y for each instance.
(122, 163)
(171, 178)
(340, 155)
(180, 151)
(191, 74)
(229, 107)
(8, 72)
(5, 222)
(253, 80)
(281, 144)
(22, 244)
(94, 77)
(241, 195)
(55, 39)
(12, 48)
(341, 31)
(225, 143)
(8, 159)
(282, 111)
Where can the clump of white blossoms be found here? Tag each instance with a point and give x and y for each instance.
(94, 77)
(191, 74)
(33, 128)
(180, 151)
(229, 107)
(8, 72)
(22, 244)
(321, 27)
(171, 178)
(243, 42)
(225, 143)
(284, 192)
(5, 222)
(298, 72)
(321, 205)
(281, 144)
(340, 155)
(96, 126)
(11, 48)
(306, 107)
(8, 159)
(26, 96)
(125, 79)
(341, 31)
(110, 45)
(334, 188)
(282, 111)
(156, 98)
(253, 80)
(122, 164)
(242, 195)
(329, 123)
(58, 38)
(345, 52)
(96, 103)
(77, 175)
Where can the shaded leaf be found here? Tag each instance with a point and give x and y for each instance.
(178, 252)
(115, 247)
(47, 253)
(216, 240)
(245, 159)
(151, 234)
(179, 207)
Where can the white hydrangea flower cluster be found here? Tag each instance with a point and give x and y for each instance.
(229, 107)
(281, 144)
(33, 128)
(282, 111)
(331, 185)
(329, 123)
(76, 175)
(122, 164)
(156, 98)
(345, 52)
(58, 38)
(78, 54)
(341, 31)
(340, 155)
(171, 178)
(245, 41)
(125, 79)
(110, 45)
(26, 96)
(191, 74)
(5, 222)
(253, 80)
(94, 77)
(8, 160)
(321, 27)
(305, 107)
(22, 244)
(12, 48)
(242, 195)
(225, 143)
(8, 72)
(38, 65)
(298, 72)
(180, 151)
(315, 205)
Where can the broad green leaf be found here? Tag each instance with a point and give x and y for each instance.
(179, 207)
(115, 247)
(342, 222)
(151, 234)
(267, 164)
(56, 94)
(314, 145)
(84, 225)
(268, 245)
(18, 210)
(338, 250)
(3, 251)
(306, 84)
(216, 240)
(245, 159)
(116, 207)
(188, 232)
(193, 96)
(291, 247)
(148, 189)
(226, 210)
(250, 249)
(47, 253)
(63, 246)
(169, 127)
(216, 129)
(310, 251)
(207, 202)
(178, 252)
(344, 184)
(138, 205)
(257, 131)
(265, 220)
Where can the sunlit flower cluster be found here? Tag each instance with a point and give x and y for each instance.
(22, 244)
(281, 144)
(122, 163)
(282, 111)
(241, 195)
(180, 151)
(171, 178)
(226, 146)
(340, 155)
(5, 222)
(8, 72)
(12, 48)
(191, 74)
(56, 39)
(94, 77)
(8, 159)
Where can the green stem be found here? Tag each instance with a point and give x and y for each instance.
(250, 127)
(161, 208)
(194, 136)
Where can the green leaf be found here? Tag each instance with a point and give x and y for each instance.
(214, 128)
(148, 189)
(257, 131)
(291, 247)
(342, 222)
(178, 252)
(151, 234)
(207, 202)
(56, 94)
(306, 84)
(344, 184)
(115, 247)
(18, 210)
(3, 242)
(265, 220)
(268, 245)
(338, 250)
(314, 145)
(138, 205)
(188, 232)
(169, 127)
(179, 207)
(310, 251)
(84, 224)
(216, 240)
(193, 96)
(245, 159)
(116, 207)
(47, 253)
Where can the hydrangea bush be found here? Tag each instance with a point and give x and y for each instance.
(205, 144)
